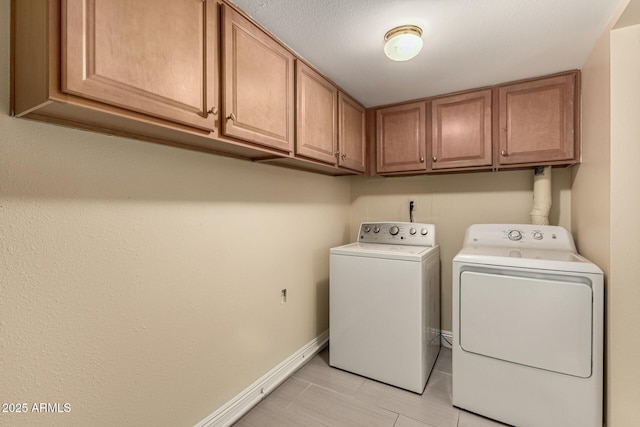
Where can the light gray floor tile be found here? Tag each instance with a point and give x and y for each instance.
(444, 361)
(318, 371)
(267, 414)
(467, 419)
(319, 395)
(440, 381)
(432, 407)
(335, 409)
(287, 392)
(410, 422)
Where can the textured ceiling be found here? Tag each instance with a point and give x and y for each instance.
(467, 43)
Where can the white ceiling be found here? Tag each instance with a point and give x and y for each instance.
(467, 43)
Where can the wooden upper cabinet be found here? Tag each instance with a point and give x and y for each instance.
(461, 131)
(352, 137)
(316, 115)
(400, 138)
(258, 100)
(536, 121)
(156, 57)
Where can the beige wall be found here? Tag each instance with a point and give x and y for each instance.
(591, 181)
(141, 283)
(590, 213)
(452, 203)
(624, 292)
(605, 206)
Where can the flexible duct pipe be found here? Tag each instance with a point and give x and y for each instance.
(541, 195)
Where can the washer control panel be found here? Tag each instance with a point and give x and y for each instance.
(398, 233)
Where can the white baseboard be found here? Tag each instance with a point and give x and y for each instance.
(446, 338)
(233, 410)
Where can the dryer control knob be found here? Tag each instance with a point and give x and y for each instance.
(366, 228)
(424, 231)
(537, 235)
(514, 235)
(412, 231)
(376, 229)
(394, 230)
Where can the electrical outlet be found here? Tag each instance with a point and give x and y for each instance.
(283, 296)
(411, 206)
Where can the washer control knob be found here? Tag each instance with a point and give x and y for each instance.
(366, 228)
(424, 231)
(394, 230)
(514, 235)
(412, 231)
(537, 235)
(376, 229)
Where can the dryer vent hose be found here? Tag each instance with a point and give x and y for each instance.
(541, 195)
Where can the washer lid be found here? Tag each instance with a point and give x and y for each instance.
(377, 250)
(526, 258)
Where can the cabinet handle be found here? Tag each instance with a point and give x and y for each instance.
(212, 110)
(421, 159)
(504, 153)
(343, 155)
(231, 117)
(435, 159)
(337, 153)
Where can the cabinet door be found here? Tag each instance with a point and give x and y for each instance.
(156, 57)
(461, 131)
(316, 115)
(400, 138)
(352, 134)
(258, 85)
(537, 121)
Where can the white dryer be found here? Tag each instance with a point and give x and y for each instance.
(528, 327)
(385, 304)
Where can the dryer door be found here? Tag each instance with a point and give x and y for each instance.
(542, 322)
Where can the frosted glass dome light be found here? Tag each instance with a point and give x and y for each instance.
(403, 43)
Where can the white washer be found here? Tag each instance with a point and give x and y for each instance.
(528, 327)
(385, 304)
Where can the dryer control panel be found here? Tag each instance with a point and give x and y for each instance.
(520, 236)
(398, 233)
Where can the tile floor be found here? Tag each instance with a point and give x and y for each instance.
(319, 395)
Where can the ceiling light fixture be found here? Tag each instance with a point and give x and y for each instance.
(403, 43)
